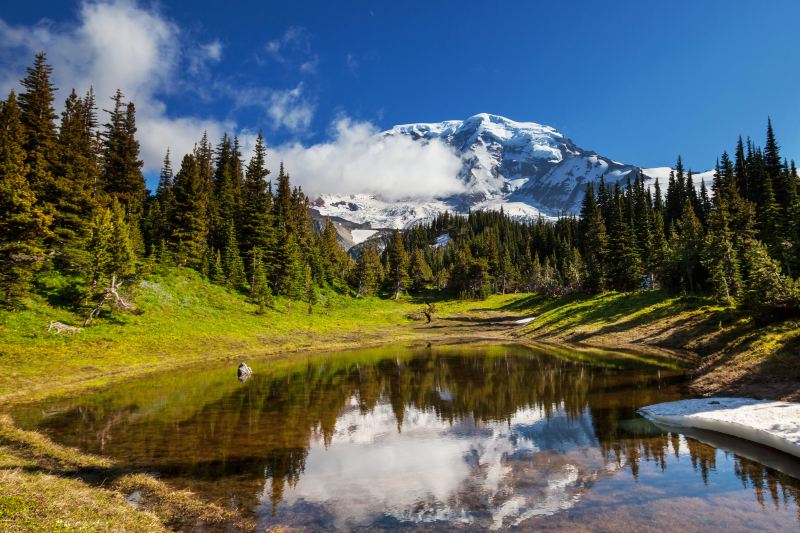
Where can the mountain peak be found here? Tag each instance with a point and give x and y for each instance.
(499, 120)
(529, 168)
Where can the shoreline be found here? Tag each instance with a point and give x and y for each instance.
(688, 343)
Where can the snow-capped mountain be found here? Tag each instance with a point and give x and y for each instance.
(529, 169)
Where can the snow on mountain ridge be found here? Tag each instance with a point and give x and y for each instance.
(529, 169)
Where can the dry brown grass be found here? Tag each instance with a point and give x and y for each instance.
(48, 487)
(179, 509)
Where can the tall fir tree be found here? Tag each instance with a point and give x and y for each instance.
(232, 263)
(419, 271)
(594, 239)
(23, 224)
(190, 218)
(76, 172)
(625, 264)
(38, 120)
(687, 246)
(397, 265)
(260, 291)
(122, 169)
(369, 272)
(719, 256)
(257, 229)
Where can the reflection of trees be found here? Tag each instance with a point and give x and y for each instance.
(642, 443)
(264, 427)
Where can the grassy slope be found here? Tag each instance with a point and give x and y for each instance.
(737, 355)
(187, 320)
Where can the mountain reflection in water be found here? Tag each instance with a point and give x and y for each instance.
(475, 436)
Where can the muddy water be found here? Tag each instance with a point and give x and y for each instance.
(434, 437)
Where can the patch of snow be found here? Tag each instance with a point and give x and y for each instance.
(526, 320)
(662, 173)
(442, 240)
(365, 208)
(773, 424)
(361, 235)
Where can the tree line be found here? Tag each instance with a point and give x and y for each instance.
(76, 218)
(738, 240)
(75, 211)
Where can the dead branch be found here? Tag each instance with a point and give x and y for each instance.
(111, 296)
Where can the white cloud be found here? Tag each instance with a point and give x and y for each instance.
(293, 48)
(120, 44)
(290, 109)
(117, 44)
(201, 56)
(360, 160)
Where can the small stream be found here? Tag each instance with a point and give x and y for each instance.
(465, 436)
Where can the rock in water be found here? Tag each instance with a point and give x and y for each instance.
(244, 372)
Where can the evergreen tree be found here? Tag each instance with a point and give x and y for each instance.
(38, 120)
(657, 251)
(190, 220)
(163, 204)
(772, 156)
(574, 272)
(625, 269)
(260, 292)
(333, 257)
(257, 224)
(75, 172)
(769, 218)
(283, 201)
(719, 256)
(687, 248)
(369, 271)
(595, 244)
(420, 272)
(767, 288)
(23, 225)
(232, 263)
(397, 265)
(291, 275)
(740, 171)
(123, 260)
(100, 249)
(122, 169)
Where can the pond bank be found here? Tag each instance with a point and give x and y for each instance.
(731, 352)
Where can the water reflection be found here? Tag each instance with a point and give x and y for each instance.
(487, 436)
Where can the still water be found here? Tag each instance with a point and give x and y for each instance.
(434, 437)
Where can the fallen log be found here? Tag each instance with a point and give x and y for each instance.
(59, 327)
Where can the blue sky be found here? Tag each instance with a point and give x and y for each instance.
(637, 81)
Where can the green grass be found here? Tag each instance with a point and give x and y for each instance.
(187, 320)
